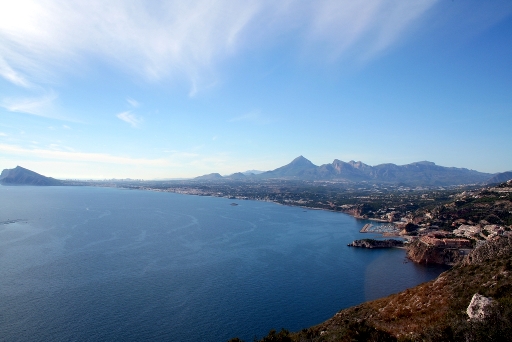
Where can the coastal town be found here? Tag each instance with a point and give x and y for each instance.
(444, 233)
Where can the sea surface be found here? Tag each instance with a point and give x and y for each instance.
(106, 264)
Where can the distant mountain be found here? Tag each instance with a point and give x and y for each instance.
(237, 175)
(500, 177)
(414, 174)
(252, 172)
(422, 173)
(22, 176)
(351, 171)
(210, 176)
(427, 173)
(300, 167)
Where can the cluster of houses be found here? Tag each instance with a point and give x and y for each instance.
(432, 240)
(464, 236)
(487, 232)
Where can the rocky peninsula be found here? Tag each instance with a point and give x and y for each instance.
(373, 243)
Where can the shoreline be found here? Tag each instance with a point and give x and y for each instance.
(407, 238)
(235, 198)
(382, 234)
(391, 235)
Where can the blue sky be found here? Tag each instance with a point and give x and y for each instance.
(164, 89)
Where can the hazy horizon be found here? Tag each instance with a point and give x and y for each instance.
(165, 89)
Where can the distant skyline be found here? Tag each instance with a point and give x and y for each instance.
(170, 89)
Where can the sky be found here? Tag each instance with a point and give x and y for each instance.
(177, 89)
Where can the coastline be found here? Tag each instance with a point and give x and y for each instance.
(414, 252)
(387, 234)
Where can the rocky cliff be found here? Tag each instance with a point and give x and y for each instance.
(421, 253)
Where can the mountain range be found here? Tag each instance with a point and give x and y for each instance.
(419, 173)
(422, 173)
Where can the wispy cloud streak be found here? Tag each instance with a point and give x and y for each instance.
(363, 28)
(40, 106)
(171, 39)
(253, 117)
(130, 118)
(12, 76)
(133, 102)
(56, 154)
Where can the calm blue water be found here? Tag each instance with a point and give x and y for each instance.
(91, 264)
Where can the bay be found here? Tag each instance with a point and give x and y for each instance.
(90, 263)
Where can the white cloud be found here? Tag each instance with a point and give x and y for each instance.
(55, 152)
(12, 76)
(2, 134)
(40, 106)
(180, 154)
(133, 102)
(90, 165)
(366, 27)
(253, 117)
(130, 118)
(155, 40)
(174, 39)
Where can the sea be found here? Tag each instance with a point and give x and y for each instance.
(110, 264)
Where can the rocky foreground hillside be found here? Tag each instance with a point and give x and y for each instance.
(433, 311)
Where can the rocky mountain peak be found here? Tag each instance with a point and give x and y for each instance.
(358, 164)
(301, 161)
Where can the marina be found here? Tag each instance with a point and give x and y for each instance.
(385, 229)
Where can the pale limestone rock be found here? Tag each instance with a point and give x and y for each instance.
(479, 307)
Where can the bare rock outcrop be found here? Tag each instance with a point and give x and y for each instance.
(421, 253)
(480, 307)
